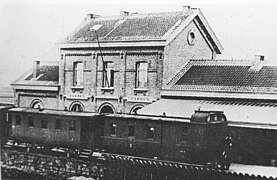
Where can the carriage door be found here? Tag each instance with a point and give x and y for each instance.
(87, 140)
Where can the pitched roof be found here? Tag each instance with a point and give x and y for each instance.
(47, 75)
(225, 75)
(141, 27)
(132, 27)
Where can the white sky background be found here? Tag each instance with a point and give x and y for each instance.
(29, 30)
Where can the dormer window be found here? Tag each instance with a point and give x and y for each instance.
(78, 69)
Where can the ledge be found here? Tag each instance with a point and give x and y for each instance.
(107, 89)
(141, 90)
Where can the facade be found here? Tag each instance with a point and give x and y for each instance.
(38, 88)
(123, 66)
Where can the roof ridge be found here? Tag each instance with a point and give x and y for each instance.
(218, 62)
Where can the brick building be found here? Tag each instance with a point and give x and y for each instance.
(38, 87)
(140, 53)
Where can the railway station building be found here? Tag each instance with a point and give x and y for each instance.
(122, 66)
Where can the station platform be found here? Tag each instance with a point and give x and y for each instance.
(267, 171)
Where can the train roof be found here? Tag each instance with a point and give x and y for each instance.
(150, 117)
(53, 112)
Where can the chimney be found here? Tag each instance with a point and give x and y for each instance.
(35, 68)
(89, 17)
(124, 13)
(259, 57)
(258, 63)
(186, 10)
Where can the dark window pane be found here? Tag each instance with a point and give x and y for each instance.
(113, 129)
(131, 130)
(17, 120)
(58, 124)
(31, 121)
(72, 125)
(44, 123)
(150, 132)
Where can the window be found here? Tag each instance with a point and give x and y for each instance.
(78, 73)
(72, 125)
(185, 134)
(37, 105)
(31, 121)
(44, 123)
(108, 75)
(77, 108)
(17, 120)
(131, 128)
(113, 129)
(141, 74)
(150, 132)
(58, 124)
(191, 37)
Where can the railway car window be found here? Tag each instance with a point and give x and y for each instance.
(58, 124)
(72, 125)
(43, 123)
(17, 120)
(131, 128)
(113, 129)
(150, 132)
(31, 121)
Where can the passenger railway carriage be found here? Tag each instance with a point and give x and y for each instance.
(199, 139)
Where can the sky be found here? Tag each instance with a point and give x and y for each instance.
(31, 29)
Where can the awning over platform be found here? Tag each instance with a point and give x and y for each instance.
(244, 114)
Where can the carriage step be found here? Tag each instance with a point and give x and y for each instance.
(83, 156)
(85, 153)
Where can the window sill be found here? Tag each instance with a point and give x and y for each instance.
(78, 88)
(107, 89)
(141, 90)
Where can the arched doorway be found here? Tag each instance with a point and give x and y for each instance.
(77, 107)
(106, 109)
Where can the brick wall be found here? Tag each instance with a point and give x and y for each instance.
(179, 52)
(49, 100)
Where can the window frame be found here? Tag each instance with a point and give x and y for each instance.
(72, 125)
(78, 74)
(113, 129)
(133, 130)
(58, 126)
(108, 74)
(141, 73)
(150, 133)
(44, 122)
(18, 119)
(31, 122)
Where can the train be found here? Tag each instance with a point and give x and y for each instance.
(202, 139)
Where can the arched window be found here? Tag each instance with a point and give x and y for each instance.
(136, 108)
(77, 108)
(106, 109)
(37, 104)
